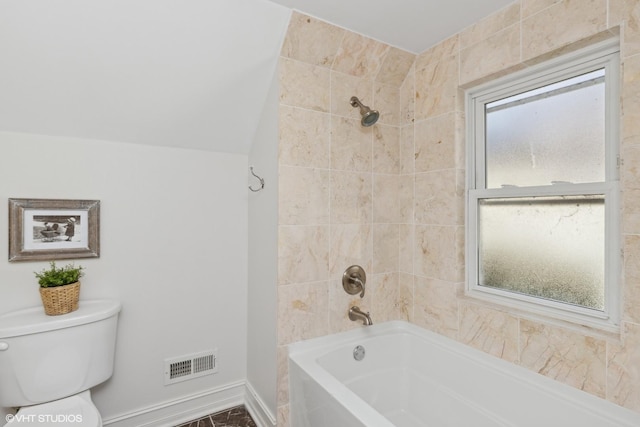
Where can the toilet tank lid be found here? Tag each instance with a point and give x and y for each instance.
(33, 320)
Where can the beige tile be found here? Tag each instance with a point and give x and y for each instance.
(303, 85)
(436, 198)
(282, 385)
(351, 197)
(443, 51)
(435, 143)
(303, 253)
(406, 300)
(304, 196)
(351, 145)
(385, 248)
(437, 87)
(631, 16)
(302, 311)
(630, 92)
(438, 252)
(627, 14)
(360, 56)
(631, 211)
(630, 171)
(460, 147)
(351, 244)
(407, 98)
(436, 306)
(407, 150)
(386, 149)
(496, 22)
(460, 100)
(311, 40)
(405, 199)
(341, 302)
(631, 289)
(305, 137)
(386, 99)
(565, 50)
(386, 198)
(565, 356)
(388, 303)
(343, 87)
(561, 24)
(617, 12)
(630, 177)
(489, 330)
(282, 417)
(395, 66)
(405, 252)
(491, 55)
(623, 373)
(460, 196)
(460, 251)
(529, 7)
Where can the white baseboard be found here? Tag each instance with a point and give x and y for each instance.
(257, 408)
(188, 408)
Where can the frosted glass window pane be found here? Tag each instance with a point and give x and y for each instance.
(548, 247)
(554, 133)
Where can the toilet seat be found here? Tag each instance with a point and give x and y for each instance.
(77, 410)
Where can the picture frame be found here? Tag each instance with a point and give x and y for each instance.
(51, 229)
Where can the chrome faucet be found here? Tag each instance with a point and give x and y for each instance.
(356, 314)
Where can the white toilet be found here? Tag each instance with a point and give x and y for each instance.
(49, 363)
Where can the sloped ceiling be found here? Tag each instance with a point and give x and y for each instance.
(181, 73)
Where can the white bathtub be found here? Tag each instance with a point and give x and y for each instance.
(412, 377)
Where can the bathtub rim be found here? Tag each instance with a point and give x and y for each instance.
(306, 354)
(303, 355)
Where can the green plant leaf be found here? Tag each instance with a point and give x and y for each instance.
(55, 276)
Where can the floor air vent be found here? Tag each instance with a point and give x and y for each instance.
(190, 366)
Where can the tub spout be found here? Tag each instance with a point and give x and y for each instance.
(356, 314)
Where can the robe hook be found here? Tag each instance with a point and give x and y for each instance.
(261, 181)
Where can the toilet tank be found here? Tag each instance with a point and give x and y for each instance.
(44, 358)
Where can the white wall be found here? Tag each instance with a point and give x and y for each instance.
(263, 258)
(173, 250)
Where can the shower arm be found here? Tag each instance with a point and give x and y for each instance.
(369, 116)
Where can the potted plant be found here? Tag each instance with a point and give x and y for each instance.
(60, 288)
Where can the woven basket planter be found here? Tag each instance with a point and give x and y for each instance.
(60, 299)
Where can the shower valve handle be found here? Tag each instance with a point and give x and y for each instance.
(353, 280)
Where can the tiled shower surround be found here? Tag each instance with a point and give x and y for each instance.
(390, 197)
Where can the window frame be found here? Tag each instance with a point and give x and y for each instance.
(601, 55)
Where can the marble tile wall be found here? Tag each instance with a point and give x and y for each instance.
(522, 34)
(342, 197)
(390, 197)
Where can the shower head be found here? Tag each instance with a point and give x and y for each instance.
(369, 116)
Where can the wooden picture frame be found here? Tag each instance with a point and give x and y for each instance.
(50, 229)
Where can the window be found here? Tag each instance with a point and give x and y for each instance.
(542, 199)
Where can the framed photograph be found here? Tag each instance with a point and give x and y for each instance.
(46, 229)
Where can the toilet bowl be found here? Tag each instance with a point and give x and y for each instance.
(48, 364)
(76, 410)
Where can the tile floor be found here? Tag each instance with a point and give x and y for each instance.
(234, 417)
